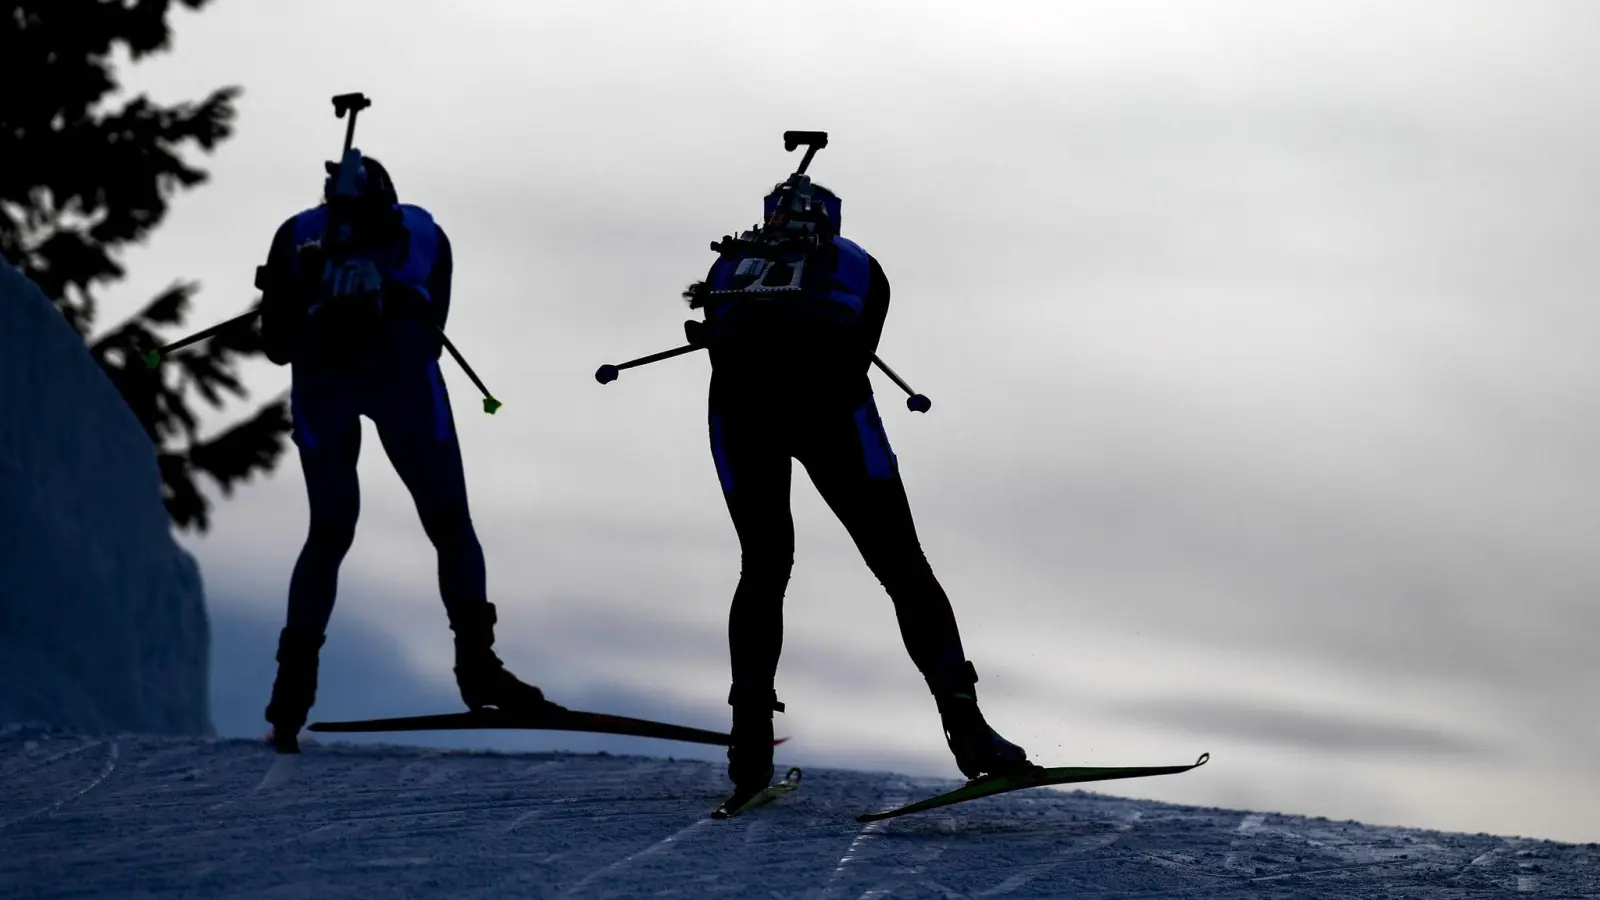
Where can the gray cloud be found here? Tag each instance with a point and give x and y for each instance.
(1309, 729)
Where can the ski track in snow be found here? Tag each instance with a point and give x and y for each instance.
(139, 816)
(1077, 847)
(105, 772)
(895, 797)
(658, 847)
(24, 764)
(916, 863)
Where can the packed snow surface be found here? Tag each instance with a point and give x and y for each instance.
(102, 620)
(137, 816)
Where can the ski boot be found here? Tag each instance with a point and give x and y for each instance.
(294, 689)
(750, 752)
(978, 749)
(482, 678)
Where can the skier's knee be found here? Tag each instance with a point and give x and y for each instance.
(907, 570)
(773, 565)
(331, 536)
(448, 526)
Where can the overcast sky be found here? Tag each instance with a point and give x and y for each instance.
(1260, 339)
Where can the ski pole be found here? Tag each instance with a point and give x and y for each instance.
(916, 402)
(693, 332)
(152, 358)
(608, 373)
(490, 404)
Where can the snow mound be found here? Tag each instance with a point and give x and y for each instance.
(131, 816)
(102, 618)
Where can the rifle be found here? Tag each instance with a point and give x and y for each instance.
(790, 228)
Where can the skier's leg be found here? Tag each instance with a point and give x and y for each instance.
(418, 434)
(753, 466)
(849, 460)
(327, 431)
(855, 470)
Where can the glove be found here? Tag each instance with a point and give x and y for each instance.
(355, 278)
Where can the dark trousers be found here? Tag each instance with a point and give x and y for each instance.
(847, 455)
(411, 410)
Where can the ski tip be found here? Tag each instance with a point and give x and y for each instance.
(778, 741)
(1204, 758)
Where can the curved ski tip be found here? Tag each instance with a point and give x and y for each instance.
(778, 741)
(1204, 758)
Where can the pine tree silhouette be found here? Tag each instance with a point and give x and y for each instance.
(79, 180)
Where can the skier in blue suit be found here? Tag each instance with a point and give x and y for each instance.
(789, 381)
(354, 294)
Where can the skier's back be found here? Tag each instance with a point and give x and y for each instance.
(789, 381)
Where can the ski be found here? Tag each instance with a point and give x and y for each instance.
(558, 720)
(989, 785)
(737, 804)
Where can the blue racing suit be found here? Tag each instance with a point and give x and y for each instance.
(789, 381)
(388, 371)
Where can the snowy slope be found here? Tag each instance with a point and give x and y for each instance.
(147, 816)
(102, 620)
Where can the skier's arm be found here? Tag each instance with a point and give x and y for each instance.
(281, 302)
(694, 293)
(876, 306)
(432, 303)
(439, 281)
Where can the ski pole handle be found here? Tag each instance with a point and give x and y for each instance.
(915, 402)
(608, 373)
(811, 140)
(490, 404)
(352, 104)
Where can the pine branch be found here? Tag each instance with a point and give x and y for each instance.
(185, 506)
(83, 178)
(254, 445)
